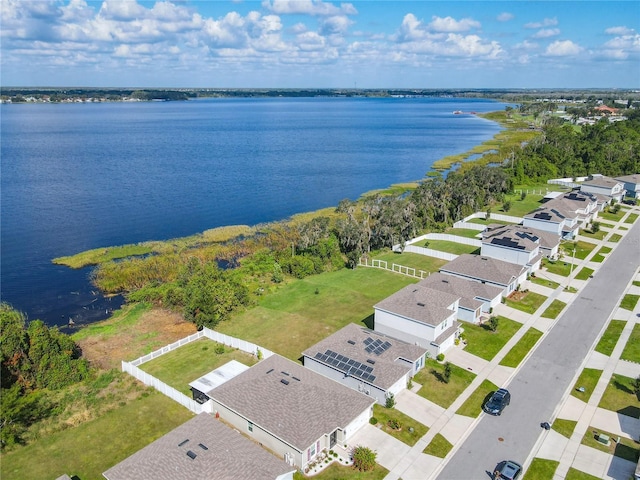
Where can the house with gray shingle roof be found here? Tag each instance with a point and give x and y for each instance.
(487, 270)
(564, 214)
(631, 184)
(201, 448)
(606, 188)
(291, 410)
(519, 244)
(475, 298)
(420, 315)
(366, 361)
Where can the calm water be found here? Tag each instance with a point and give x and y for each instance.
(81, 176)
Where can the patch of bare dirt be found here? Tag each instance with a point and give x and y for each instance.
(154, 329)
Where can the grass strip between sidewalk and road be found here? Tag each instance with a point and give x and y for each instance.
(541, 469)
(439, 446)
(631, 350)
(472, 407)
(610, 337)
(521, 349)
(554, 309)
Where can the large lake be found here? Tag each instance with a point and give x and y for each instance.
(82, 176)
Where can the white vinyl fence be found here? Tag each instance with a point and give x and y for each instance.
(449, 238)
(132, 367)
(383, 264)
(430, 252)
(495, 216)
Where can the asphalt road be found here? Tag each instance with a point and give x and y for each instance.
(541, 382)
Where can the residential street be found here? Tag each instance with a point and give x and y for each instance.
(542, 383)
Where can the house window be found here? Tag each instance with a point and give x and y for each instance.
(250, 426)
(312, 451)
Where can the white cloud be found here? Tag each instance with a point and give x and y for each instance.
(308, 7)
(546, 33)
(547, 22)
(505, 17)
(121, 10)
(619, 31)
(449, 24)
(338, 24)
(563, 48)
(621, 47)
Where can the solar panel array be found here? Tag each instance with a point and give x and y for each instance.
(376, 346)
(346, 365)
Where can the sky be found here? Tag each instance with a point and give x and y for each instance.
(320, 44)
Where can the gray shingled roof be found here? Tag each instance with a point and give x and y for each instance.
(419, 303)
(602, 181)
(635, 178)
(468, 290)
(386, 369)
(228, 456)
(299, 411)
(545, 239)
(484, 268)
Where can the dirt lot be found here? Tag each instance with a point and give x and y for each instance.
(155, 328)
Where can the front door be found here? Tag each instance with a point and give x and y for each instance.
(333, 439)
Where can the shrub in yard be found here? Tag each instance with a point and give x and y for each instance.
(440, 357)
(391, 401)
(219, 349)
(446, 375)
(373, 420)
(364, 459)
(394, 424)
(493, 323)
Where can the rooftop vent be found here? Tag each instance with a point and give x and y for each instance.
(296, 378)
(285, 381)
(204, 447)
(372, 362)
(445, 281)
(191, 455)
(285, 373)
(269, 371)
(420, 304)
(351, 342)
(183, 442)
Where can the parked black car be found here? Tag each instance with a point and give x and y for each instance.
(498, 401)
(508, 470)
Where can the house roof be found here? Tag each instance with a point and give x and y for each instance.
(217, 451)
(572, 201)
(634, 178)
(511, 238)
(547, 214)
(602, 181)
(293, 403)
(440, 339)
(518, 233)
(419, 303)
(468, 290)
(379, 353)
(483, 268)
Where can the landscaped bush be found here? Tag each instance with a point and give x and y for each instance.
(364, 459)
(373, 420)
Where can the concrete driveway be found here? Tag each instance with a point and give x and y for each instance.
(390, 451)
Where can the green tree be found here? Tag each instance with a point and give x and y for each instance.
(446, 374)
(390, 401)
(506, 206)
(364, 459)
(493, 323)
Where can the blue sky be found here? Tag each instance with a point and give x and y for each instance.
(320, 44)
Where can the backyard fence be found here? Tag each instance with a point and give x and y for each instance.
(430, 253)
(132, 367)
(449, 238)
(383, 264)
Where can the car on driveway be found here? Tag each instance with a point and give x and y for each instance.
(508, 470)
(497, 402)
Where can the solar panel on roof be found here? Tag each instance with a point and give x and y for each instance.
(331, 353)
(368, 340)
(319, 355)
(369, 349)
(368, 369)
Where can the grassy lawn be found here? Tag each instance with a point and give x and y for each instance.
(564, 427)
(574, 474)
(191, 361)
(449, 247)
(484, 343)
(520, 207)
(491, 221)
(582, 249)
(557, 267)
(631, 218)
(439, 446)
(93, 447)
(544, 282)
(616, 237)
(612, 217)
(619, 396)
(600, 255)
(584, 274)
(472, 407)
(435, 390)
(520, 349)
(629, 301)
(627, 448)
(610, 337)
(554, 309)
(410, 430)
(631, 350)
(587, 379)
(295, 318)
(599, 235)
(463, 232)
(342, 472)
(527, 302)
(408, 259)
(636, 283)
(541, 469)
